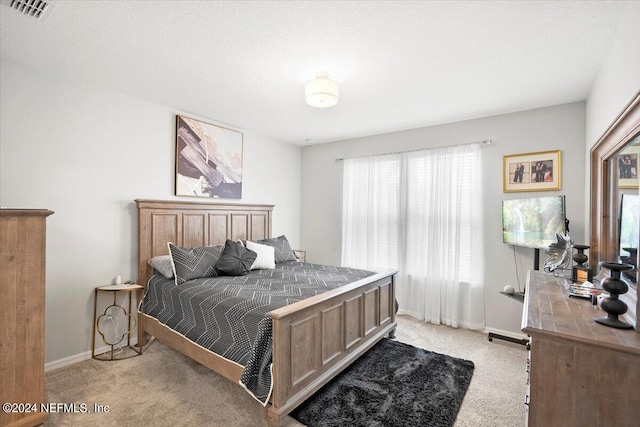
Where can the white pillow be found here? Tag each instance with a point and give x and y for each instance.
(266, 258)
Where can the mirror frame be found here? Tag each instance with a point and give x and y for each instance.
(603, 214)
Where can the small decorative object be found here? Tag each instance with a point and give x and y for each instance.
(581, 273)
(612, 305)
(208, 160)
(509, 290)
(539, 171)
(559, 253)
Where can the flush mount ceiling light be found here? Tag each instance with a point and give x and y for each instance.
(321, 92)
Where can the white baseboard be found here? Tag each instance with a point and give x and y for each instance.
(61, 363)
(515, 335)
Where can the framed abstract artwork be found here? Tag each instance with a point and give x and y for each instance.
(208, 160)
(540, 171)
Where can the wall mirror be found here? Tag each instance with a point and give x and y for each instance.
(614, 197)
(625, 187)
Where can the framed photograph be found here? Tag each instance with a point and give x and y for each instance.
(628, 167)
(539, 171)
(208, 160)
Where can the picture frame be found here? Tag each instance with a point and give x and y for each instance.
(539, 171)
(208, 160)
(627, 164)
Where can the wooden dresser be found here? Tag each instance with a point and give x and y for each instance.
(581, 373)
(22, 291)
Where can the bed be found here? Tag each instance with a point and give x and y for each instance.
(312, 340)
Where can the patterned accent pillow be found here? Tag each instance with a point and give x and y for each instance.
(193, 263)
(283, 251)
(236, 260)
(162, 264)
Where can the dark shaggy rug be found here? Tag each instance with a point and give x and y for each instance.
(393, 384)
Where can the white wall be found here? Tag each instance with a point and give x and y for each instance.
(616, 84)
(87, 153)
(619, 77)
(560, 127)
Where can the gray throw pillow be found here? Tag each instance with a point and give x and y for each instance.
(162, 264)
(194, 263)
(236, 260)
(283, 251)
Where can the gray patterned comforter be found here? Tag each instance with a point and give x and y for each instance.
(228, 314)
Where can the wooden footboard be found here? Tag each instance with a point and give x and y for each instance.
(315, 339)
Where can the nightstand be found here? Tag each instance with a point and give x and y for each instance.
(113, 314)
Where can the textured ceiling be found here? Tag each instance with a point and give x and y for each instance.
(400, 65)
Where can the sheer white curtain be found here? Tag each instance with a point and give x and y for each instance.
(420, 212)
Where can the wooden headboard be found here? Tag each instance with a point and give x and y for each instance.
(195, 224)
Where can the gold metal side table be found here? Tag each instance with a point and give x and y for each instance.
(109, 315)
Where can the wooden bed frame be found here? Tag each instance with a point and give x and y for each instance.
(313, 340)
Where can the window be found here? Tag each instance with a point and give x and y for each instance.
(418, 212)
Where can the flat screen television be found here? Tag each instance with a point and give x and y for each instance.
(533, 222)
(629, 222)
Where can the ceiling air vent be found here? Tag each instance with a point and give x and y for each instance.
(38, 9)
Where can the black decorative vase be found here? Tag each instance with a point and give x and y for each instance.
(580, 257)
(612, 305)
(581, 273)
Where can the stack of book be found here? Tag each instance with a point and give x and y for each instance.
(582, 290)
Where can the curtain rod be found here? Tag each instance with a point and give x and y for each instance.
(485, 142)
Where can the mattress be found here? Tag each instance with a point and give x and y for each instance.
(228, 314)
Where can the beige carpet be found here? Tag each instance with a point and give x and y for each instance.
(164, 388)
